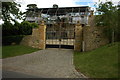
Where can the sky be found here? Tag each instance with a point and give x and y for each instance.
(60, 3)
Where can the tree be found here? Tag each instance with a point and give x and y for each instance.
(7, 28)
(10, 8)
(31, 6)
(108, 17)
(55, 6)
(17, 28)
(118, 27)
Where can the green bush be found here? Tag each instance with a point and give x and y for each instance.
(8, 40)
(25, 28)
(8, 29)
(14, 33)
(34, 25)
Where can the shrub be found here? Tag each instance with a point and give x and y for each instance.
(34, 25)
(25, 28)
(7, 29)
(8, 40)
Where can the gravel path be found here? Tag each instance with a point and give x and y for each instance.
(49, 63)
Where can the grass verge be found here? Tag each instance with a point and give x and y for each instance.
(16, 50)
(99, 63)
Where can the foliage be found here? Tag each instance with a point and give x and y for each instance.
(34, 25)
(55, 6)
(99, 63)
(10, 8)
(108, 17)
(31, 6)
(11, 12)
(30, 13)
(16, 50)
(25, 28)
(7, 40)
(118, 27)
(8, 29)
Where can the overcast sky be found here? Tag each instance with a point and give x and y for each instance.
(60, 3)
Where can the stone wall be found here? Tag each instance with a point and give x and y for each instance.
(37, 39)
(91, 20)
(93, 38)
(32, 40)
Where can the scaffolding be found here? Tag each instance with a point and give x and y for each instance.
(52, 15)
(61, 22)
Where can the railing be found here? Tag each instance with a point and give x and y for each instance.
(32, 18)
(74, 20)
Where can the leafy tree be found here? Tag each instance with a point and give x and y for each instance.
(7, 29)
(30, 12)
(108, 17)
(10, 8)
(55, 6)
(24, 28)
(31, 6)
(118, 27)
(17, 28)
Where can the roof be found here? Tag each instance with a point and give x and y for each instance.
(60, 10)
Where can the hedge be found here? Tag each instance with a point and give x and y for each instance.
(24, 28)
(8, 40)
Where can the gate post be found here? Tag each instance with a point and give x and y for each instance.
(78, 37)
(42, 32)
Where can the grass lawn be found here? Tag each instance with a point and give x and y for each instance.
(99, 63)
(15, 50)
